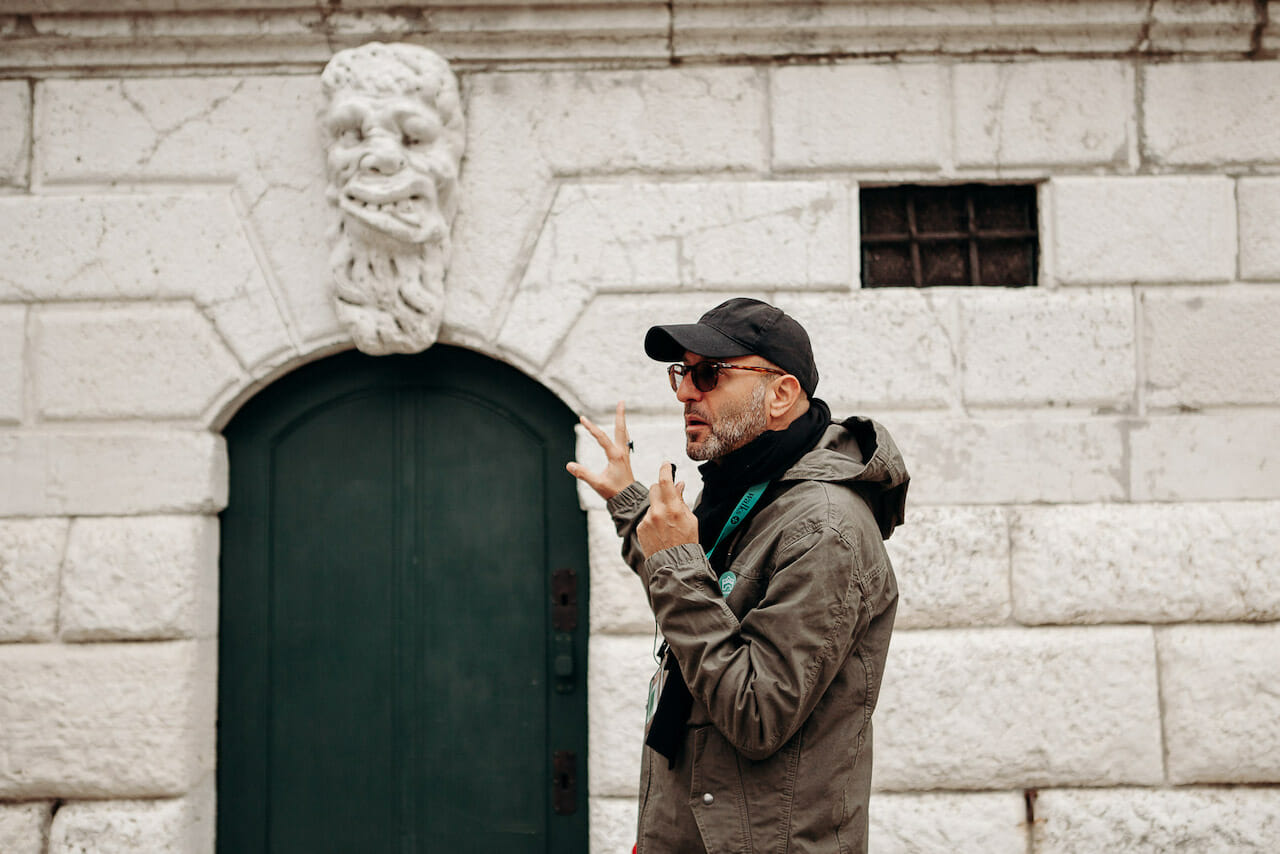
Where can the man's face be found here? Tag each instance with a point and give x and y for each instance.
(731, 415)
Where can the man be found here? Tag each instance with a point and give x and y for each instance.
(774, 595)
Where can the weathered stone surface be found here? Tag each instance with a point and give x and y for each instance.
(676, 235)
(821, 116)
(1012, 461)
(613, 824)
(1205, 457)
(1032, 347)
(1013, 708)
(1137, 821)
(1259, 205)
(1112, 230)
(880, 347)
(952, 565)
(1190, 118)
(618, 678)
(618, 602)
(152, 246)
(23, 827)
(1201, 26)
(111, 720)
(229, 130)
(1151, 563)
(657, 439)
(13, 345)
(170, 826)
(1221, 708)
(1211, 346)
(969, 823)
(15, 131)
(876, 29)
(145, 361)
(140, 578)
(602, 359)
(30, 555)
(526, 128)
(111, 473)
(1042, 113)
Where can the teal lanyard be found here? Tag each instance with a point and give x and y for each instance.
(749, 499)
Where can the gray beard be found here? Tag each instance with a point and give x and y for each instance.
(733, 430)
(389, 296)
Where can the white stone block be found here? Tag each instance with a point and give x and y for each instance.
(112, 473)
(30, 555)
(146, 361)
(23, 827)
(880, 347)
(1034, 347)
(1015, 708)
(613, 825)
(13, 345)
(140, 578)
(258, 133)
(1211, 346)
(110, 720)
(1205, 457)
(1221, 707)
(618, 602)
(1148, 563)
(968, 823)
(1259, 204)
(952, 565)
(602, 360)
(1211, 113)
(860, 116)
(618, 678)
(15, 131)
(1108, 230)
(1201, 26)
(145, 246)
(170, 826)
(525, 128)
(1012, 461)
(1071, 113)
(654, 236)
(1137, 821)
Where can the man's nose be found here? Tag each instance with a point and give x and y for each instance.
(382, 155)
(687, 392)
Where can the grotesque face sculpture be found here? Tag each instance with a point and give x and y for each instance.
(394, 136)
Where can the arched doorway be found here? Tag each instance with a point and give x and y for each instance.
(401, 665)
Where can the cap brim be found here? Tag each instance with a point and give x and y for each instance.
(670, 343)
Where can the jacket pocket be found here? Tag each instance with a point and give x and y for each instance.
(716, 795)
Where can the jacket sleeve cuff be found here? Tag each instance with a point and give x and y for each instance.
(684, 558)
(628, 500)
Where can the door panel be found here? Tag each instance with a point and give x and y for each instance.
(386, 638)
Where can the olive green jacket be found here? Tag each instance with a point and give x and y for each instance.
(785, 671)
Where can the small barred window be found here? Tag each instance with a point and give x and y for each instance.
(966, 234)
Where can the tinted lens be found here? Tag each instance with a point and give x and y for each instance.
(705, 375)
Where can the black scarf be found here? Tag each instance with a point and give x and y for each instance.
(724, 481)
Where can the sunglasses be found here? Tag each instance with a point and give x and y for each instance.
(706, 375)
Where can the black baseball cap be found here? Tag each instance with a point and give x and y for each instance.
(739, 327)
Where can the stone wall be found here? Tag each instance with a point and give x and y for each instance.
(1086, 656)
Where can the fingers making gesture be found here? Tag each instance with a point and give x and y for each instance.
(616, 475)
(669, 521)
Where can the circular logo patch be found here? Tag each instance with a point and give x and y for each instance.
(727, 582)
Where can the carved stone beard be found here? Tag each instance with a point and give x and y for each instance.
(390, 294)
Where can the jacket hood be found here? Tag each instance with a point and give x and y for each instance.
(861, 454)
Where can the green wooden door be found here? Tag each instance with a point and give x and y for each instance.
(388, 659)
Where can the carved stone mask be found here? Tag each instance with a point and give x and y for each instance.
(394, 136)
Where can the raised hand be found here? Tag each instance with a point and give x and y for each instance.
(669, 521)
(616, 475)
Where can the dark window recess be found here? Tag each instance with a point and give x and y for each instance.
(966, 234)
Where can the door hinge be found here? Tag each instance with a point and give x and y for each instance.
(564, 783)
(564, 600)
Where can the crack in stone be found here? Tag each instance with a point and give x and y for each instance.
(162, 135)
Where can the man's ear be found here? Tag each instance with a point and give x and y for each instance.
(786, 392)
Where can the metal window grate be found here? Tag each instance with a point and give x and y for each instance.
(966, 234)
